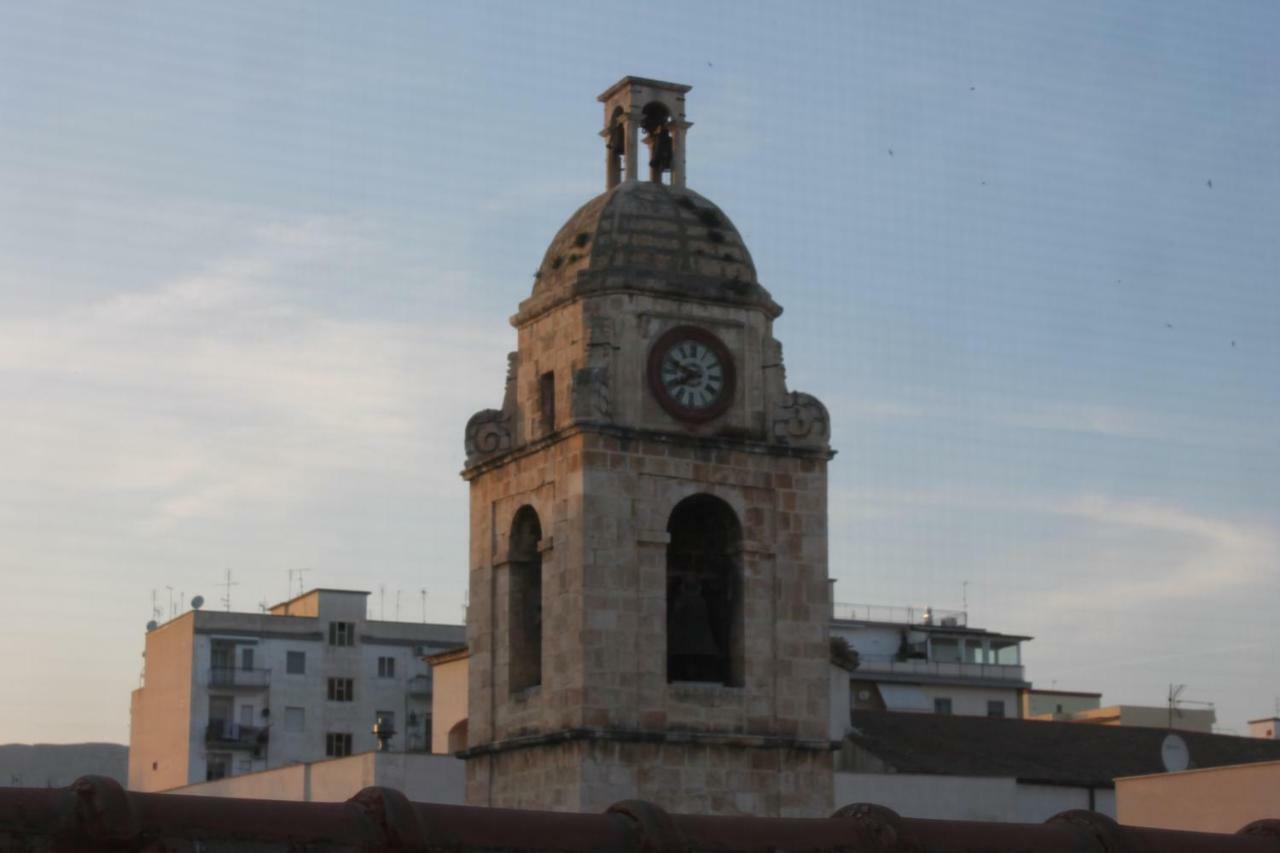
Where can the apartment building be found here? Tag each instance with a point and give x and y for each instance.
(226, 694)
(929, 660)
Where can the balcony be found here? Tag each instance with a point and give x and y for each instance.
(223, 734)
(419, 685)
(231, 677)
(943, 669)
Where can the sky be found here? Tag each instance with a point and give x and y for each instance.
(257, 263)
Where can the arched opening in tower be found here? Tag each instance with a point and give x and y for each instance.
(656, 124)
(616, 143)
(704, 592)
(525, 598)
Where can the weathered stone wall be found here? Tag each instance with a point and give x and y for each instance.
(604, 500)
(688, 778)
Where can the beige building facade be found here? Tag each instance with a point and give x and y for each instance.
(1146, 716)
(649, 601)
(1057, 704)
(1212, 799)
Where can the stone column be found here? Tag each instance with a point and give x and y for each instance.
(633, 143)
(679, 133)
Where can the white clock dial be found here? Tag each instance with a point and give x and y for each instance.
(692, 374)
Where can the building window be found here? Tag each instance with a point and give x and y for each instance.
(342, 633)
(944, 650)
(387, 718)
(547, 400)
(704, 592)
(246, 657)
(337, 744)
(295, 719)
(217, 766)
(524, 578)
(295, 663)
(386, 667)
(995, 707)
(942, 705)
(341, 690)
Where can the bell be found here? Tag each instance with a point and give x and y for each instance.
(689, 623)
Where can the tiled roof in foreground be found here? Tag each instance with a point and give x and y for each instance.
(1036, 750)
(96, 814)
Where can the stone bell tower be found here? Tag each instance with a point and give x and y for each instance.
(648, 590)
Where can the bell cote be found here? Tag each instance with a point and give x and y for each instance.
(649, 112)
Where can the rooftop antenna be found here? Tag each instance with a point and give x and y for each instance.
(262, 605)
(155, 608)
(289, 588)
(1175, 699)
(300, 573)
(226, 598)
(382, 601)
(423, 591)
(964, 597)
(173, 607)
(397, 605)
(1175, 690)
(197, 602)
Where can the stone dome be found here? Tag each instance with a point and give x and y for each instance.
(649, 237)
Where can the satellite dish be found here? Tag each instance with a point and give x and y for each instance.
(152, 625)
(197, 602)
(1174, 754)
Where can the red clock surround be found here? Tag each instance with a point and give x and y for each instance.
(691, 414)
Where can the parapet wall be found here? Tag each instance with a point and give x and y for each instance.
(95, 813)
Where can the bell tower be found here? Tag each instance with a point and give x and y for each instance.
(648, 568)
(635, 104)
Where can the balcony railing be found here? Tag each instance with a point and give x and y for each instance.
(227, 676)
(950, 669)
(900, 615)
(419, 685)
(223, 734)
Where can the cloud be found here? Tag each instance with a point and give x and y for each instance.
(1082, 417)
(222, 389)
(1123, 554)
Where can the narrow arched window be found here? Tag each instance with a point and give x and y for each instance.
(704, 592)
(525, 596)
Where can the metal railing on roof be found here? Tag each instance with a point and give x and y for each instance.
(96, 813)
(941, 669)
(900, 615)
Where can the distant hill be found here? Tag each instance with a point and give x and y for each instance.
(53, 765)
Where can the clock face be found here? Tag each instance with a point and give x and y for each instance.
(691, 373)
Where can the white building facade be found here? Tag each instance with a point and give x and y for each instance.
(930, 661)
(226, 694)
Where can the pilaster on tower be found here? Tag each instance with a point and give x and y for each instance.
(656, 108)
